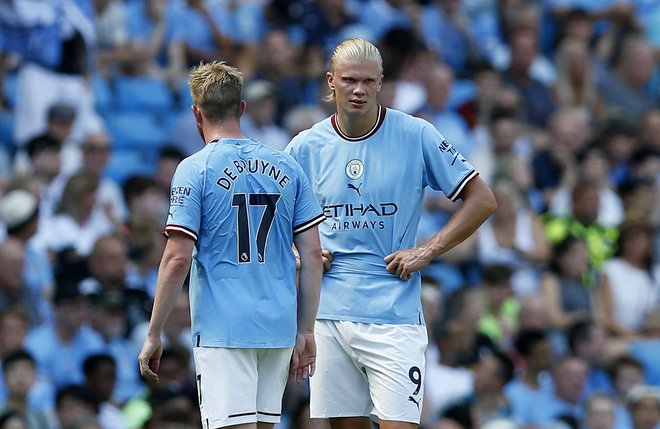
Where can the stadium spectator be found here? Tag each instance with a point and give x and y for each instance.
(96, 150)
(600, 412)
(74, 405)
(13, 420)
(107, 266)
(76, 224)
(625, 87)
(19, 373)
(588, 340)
(108, 318)
(169, 158)
(19, 211)
(534, 347)
(554, 164)
(100, 378)
(56, 42)
(625, 372)
(60, 348)
(630, 288)
(576, 81)
(582, 223)
(13, 291)
(567, 288)
(156, 44)
(259, 120)
(514, 237)
(593, 166)
(644, 406)
(438, 82)
(487, 401)
(538, 102)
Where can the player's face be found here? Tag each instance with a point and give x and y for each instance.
(356, 84)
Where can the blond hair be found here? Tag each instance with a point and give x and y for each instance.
(216, 90)
(353, 50)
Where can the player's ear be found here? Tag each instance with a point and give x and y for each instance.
(197, 113)
(242, 107)
(329, 78)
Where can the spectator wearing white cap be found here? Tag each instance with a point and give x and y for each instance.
(19, 211)
(258, 123)
(643, 404)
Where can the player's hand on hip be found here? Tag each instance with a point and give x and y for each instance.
(149, 358)
(403, 263)
(327, 259)
(303, 360)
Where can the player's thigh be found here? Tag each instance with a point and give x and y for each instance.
(272, 374)
(393, 356)
(226, 385)
(339, 387)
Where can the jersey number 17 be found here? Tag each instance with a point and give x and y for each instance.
(242, 201)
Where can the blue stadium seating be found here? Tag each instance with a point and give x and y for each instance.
(143, 93)
(136, 130)
(10, 88)
(103, 96)
(6, 128)
(124, 163)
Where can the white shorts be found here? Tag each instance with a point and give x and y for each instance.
(369, 370)
(237, 386)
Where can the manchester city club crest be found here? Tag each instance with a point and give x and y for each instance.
(354, 169)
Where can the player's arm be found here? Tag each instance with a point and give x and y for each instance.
(309, 286)
(172, 273)
(478, 204)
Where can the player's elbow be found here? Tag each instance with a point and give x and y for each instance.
(178, 263)
(311, 258)
(489, 203)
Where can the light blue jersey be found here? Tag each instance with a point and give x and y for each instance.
(242, 202)
(371, 189)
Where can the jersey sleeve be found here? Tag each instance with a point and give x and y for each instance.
(185, 200)
(445, 169)
(307, 212)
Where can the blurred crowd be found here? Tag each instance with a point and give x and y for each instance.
(548, 317)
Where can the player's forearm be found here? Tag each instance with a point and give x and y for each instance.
(171, 275)
(478, 204)
(311, 272)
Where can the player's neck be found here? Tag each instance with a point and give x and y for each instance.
(225, 130)
(356, 125)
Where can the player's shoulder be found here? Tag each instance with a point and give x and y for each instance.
(398, 118)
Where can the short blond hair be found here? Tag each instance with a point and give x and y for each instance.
(353, 50)
(216, 90)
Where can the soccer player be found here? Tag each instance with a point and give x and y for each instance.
(236, 208)
(368, 166)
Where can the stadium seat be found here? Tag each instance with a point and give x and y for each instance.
(6, 128)
(124, 163)
(103, 98)
(10, 88)
(184, 97)
(135, 130)
(142, 93)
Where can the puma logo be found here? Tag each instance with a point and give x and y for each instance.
(413, 400)
(357, 189)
